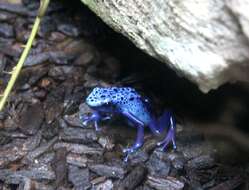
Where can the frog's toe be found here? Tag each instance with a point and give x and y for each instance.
(131, 150)
(136, 146)
(128, 150)
(106, 118)
(84, 119)
(84, 123)
(126, 158)
(165, 144)
(96, 126)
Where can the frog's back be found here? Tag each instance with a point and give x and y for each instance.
(128, 100)
(124, 99)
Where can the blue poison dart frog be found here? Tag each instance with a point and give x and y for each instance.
(125, 101)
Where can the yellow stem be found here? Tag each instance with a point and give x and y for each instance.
(17, 69)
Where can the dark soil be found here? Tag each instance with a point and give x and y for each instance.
(43, 144)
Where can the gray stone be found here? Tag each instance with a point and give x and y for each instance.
(79, 178)
(169, 183)
(206, 42)
(108, 170)
(6, 30)
(133, 179)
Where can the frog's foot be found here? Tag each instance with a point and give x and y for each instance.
(170, 135)
(140, 134)
(168, 139)
(85, 119)
(95, 118)
(131, 150)
(136, 145)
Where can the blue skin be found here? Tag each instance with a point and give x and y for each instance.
(127, 102)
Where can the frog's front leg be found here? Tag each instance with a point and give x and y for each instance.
(140, 135)
(95, 117)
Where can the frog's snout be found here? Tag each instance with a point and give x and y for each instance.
(93, 102)
(89, 101)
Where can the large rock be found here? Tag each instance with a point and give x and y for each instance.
(206, 41)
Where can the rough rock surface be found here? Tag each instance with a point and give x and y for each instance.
(205, 41)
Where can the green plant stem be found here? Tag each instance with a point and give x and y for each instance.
(17, 69)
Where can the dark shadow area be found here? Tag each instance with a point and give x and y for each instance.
(160, 82)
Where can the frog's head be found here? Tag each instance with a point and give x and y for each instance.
(98, 97)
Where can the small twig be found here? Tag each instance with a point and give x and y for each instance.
(16, 70)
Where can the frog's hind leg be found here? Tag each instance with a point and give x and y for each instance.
(157, 126)
(167, 118)
(140, 135)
